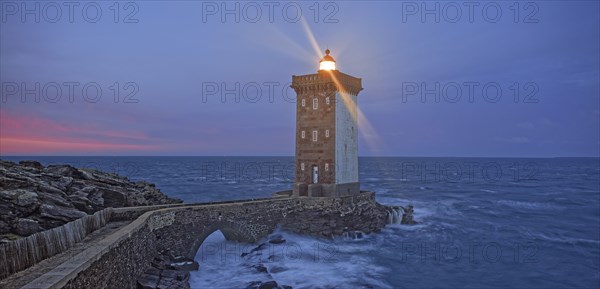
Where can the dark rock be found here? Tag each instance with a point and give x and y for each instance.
(286, 287)
(4, 227)
(175, 275)
(275, 258)
(58, 194)
(62, 183)
(54, 199)
(253, 285)
(408, 215)
(277, 269)
(32, 164)
(183, 264)
(113, 198)
(24, 198)
(163, 275)
(26, 227)
(257, 248)
(148, 281)
(161, 262)
(268, 285)
(152, 271)
(64, 170)
(60, 213)
(276, 239)
(260, 268)
(81, 203)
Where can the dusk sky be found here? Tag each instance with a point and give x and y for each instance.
(177, 52)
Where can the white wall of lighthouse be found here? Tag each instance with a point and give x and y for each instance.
(346, 135)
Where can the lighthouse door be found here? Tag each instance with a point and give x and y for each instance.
(315, 174)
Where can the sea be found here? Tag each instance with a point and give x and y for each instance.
(482, 222)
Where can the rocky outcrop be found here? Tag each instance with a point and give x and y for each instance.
(34, 198)
(255, 259)
(167, 271)
(408, 215)
(336, 217)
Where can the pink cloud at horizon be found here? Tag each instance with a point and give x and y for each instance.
(29, 135)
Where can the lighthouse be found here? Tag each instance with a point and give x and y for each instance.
(326, 163)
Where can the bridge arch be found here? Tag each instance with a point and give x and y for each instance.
(232, 230)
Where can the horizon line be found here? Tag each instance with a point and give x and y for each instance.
(291, 156)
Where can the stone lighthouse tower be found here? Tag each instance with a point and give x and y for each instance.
(326, 132)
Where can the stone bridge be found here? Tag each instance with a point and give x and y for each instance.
(118, 259)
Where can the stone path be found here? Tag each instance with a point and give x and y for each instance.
(22, 278)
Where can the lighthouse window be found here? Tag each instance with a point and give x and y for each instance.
(326, 166)
(304, 102)
(327, 100)
(314, 135)
(303, 134)
(315, 103)
(326, 133)
(302, 166)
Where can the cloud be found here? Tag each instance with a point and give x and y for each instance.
(31, 134)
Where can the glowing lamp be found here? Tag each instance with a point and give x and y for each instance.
(327, 63)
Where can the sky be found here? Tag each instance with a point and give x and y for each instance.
(472, 79)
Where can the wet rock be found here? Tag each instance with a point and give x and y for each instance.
(260, 247)
(277, 269)
(161, 262)
(167, 272)
(175, 275)
(268, 285)
(148, 281)
(260, 268)
(276, 239)
(408, 215)
(253, 285)
(275, 258)
(183, 264)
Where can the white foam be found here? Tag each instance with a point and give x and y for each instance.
(527, 205)
(307, 263)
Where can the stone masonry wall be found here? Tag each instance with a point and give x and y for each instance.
(181, 230)
(120, 266)
(249, 222)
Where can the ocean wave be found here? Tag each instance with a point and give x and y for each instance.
(301, 262)
(566, 240)
(528, 205)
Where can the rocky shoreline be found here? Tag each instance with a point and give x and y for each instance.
(173, 272)
(168, 271)
(34, 198)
